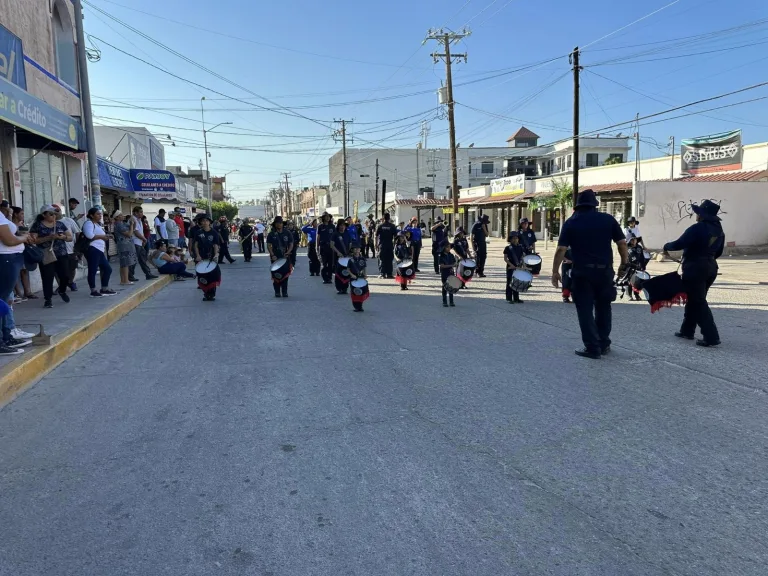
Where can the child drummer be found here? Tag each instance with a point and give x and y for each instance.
(402, 252)
(513, 256)
(447, 262)
(357, 268)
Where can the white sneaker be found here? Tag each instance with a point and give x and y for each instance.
(21, 335)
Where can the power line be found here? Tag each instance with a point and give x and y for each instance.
(630, 24)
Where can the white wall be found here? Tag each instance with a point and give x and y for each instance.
(666, 212)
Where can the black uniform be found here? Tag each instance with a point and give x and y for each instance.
(446, 273)
(589, 234)
(246, 233)
(296, 241)
(223, 229)
(702, 244)
(480, 245)
(371, 243)
(527, 239)
(515, 255)
(280, 242)
(325, 234)
(340, 243)
(636, 257)
(438, 235)
(206, 242)
(386, 233)
(461, 247)
(357, 266)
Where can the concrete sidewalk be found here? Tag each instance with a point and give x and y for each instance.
(70, 327)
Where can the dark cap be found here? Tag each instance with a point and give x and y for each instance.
(484, 218)
(707, 208)
(4, 204)
(75, 200)
(277, 220)
(524, 221)
(587, 199)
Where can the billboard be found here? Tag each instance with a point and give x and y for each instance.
(714, 153)
(12, 58)
(138, 154)
(508, 185)
(157, 155)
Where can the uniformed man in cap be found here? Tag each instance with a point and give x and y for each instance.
(438, 235)
(702, 244)
(385, 241)
(589, 234)
(325, 232)
(527, 236)
(280, 243)
(480, 243)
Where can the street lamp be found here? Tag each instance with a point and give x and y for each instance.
(205, 144)
(225, 179)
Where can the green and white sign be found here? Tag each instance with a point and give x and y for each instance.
(21, 109)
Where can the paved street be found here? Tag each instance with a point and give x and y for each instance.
(293, 437)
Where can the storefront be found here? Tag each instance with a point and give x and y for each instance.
(157, 190)
(502, 205)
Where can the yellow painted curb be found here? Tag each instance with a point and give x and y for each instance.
(28, 369)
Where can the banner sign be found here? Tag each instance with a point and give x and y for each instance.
(25, 111)
(139, 154)
(155, 181)
(156, 154)
(715, 153)
(157, 195)
(114, 176)
(12, 58)
(508, 185)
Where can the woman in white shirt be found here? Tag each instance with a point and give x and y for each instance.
(96, 254)
(11, 262)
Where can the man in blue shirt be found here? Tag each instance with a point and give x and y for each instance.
(314, 262)
(589, 234)
(438, 235)
(480, 244)
(350, 235)
(702, 244)
(415, 231)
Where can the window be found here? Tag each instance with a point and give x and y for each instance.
(592, 160)
(43, 180)
(487, 168)
(64, 45)
(521, 144)
(569, 161)
(615, 158)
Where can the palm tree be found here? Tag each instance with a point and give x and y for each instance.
(560, 198)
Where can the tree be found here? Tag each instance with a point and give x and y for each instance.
(560, 198)
(219, 209)
(613, 160)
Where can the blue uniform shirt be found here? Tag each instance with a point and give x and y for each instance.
(350, 234)
(589, 233)
(527, 238)
(415, 233)
(310, 232)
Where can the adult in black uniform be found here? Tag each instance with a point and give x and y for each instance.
(589, 234)
(371, 238)
(245, 233)
(223, 229)
(480, 244)
(702, 244)
(438, 235)
(293, 229)
(385, 241)
(280, 245)
(325, 233)
(527, 236)
(341, 248)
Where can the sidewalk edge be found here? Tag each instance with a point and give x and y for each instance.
(17, 376)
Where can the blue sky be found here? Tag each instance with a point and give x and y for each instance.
(364, 60)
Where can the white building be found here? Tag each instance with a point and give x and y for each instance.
(130, 146)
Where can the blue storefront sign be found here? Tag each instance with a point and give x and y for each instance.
(153, 183)
(114, 176)
(12, 58)
(25, 111)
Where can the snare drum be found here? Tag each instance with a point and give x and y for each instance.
(342, 270)
(533, 263)
(280, 270)
(359, 291)
(467, 269)
(208, 275)
(646, 255)
(638, 279)
(453, 284)
(406, 269)
(521, 280)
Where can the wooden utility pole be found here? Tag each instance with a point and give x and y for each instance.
(637, 147)
(289, 201)
(377, 190)
(574, 60)
(447, 37)
(342, 133)
(672, 157)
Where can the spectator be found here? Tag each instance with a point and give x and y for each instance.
(172, 230)
(182, 227)
(51, 235)
(148, 236)
(73, 204)
(161, 233)
(166, 264)
(125, 250)
(140, 241)
(96, 254)
(72, 257)
(24, 292)
(11, 263)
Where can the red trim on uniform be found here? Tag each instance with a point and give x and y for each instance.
(284, 278)
(360, 299)
(208, 286)
(403, 280)
(680, 299)
(341, 279)
(566, 293)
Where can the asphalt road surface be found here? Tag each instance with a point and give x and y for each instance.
(266, 436)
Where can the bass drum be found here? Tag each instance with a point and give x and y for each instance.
(638, 279)
(406, 269)
(208, 275)
(453, 284)
(280, 270)
(533, 263)
(359, 290)
(521, 280)
(468, 267)
(342, 267)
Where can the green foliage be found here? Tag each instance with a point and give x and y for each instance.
(219, 209)
(614, 160)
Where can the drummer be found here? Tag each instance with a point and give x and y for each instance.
(206, 243)
(340, 248)
(527, 236)
(357, 269)
(402, 252)
(325, 234)
(447, 262)
(461, 249)
(280, 245)
(513, 256)
(636, 254)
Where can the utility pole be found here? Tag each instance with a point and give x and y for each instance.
(447, 37)
(289, 204)
(574, 60)
(377, 190)
(85, 94)
(342, 133)
(672, 157)
(637, 147)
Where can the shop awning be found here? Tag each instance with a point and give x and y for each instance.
(114, 177)
(38, 124)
